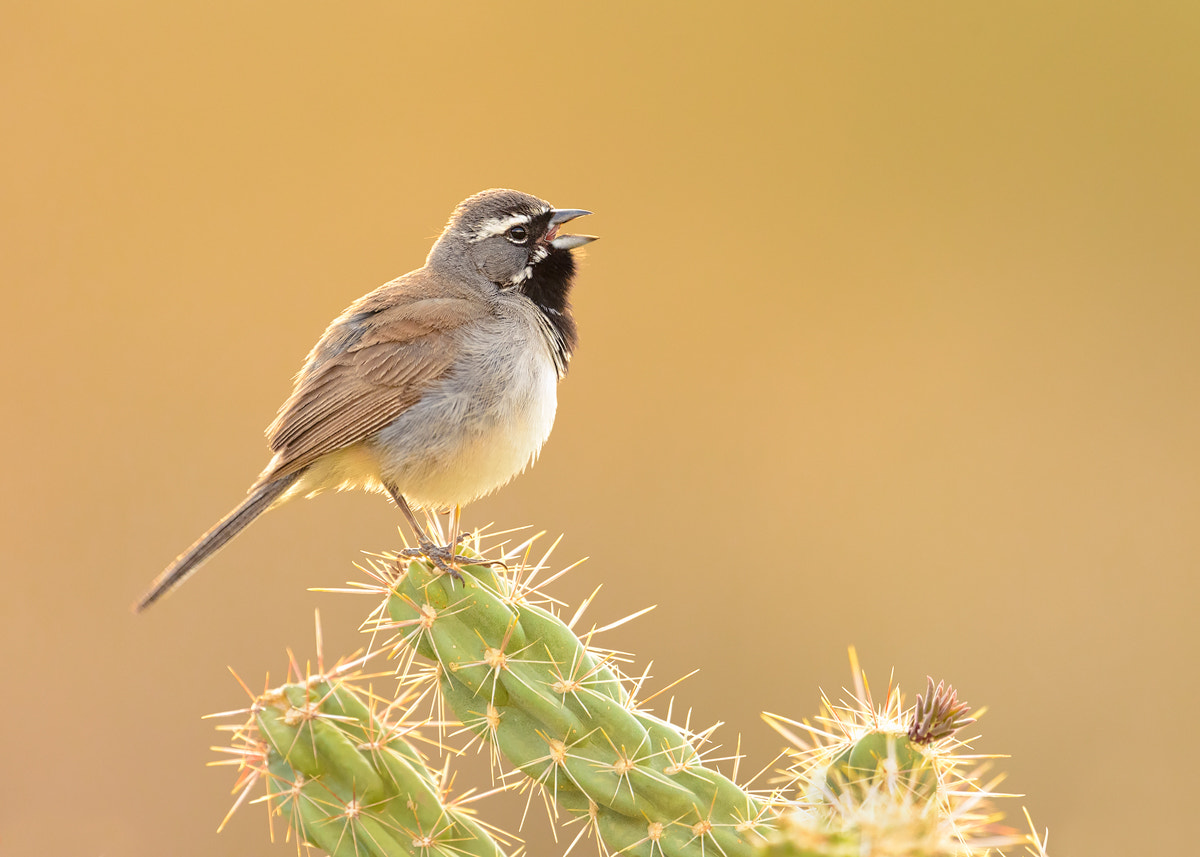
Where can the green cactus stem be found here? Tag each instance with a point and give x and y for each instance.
(347, 780)
(519, 677)
(886, 781)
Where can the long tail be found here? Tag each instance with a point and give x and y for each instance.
(221, 533)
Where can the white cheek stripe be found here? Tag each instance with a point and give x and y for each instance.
(521, 276)
(538, 253)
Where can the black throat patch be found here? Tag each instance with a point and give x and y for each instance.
(549, 287)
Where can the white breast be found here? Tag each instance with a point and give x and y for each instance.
(482, 425)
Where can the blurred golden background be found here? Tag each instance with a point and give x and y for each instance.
(892, 339)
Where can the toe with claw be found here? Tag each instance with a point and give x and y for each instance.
(443, 558)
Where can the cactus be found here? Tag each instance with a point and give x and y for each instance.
(886, 781)
(522, 680)
(864, 780)
(350, 780)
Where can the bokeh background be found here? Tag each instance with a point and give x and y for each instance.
(892, 339)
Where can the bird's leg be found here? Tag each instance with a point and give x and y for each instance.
(444, 557)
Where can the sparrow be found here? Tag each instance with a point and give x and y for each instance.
(436, 388)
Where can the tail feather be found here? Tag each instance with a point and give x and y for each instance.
(221, 533)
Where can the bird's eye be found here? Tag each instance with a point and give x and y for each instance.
(518, 234)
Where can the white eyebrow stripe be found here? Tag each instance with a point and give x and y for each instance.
(500, 225)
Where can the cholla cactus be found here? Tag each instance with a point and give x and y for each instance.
(887, 780)
(522, 680)
(348, 778)
(864, 780)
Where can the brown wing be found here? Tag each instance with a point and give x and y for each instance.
(371, 365)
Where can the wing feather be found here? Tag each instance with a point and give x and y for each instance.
(372, 364)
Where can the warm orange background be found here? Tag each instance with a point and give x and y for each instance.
(892, 339)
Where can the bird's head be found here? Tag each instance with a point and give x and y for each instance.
(513, 240)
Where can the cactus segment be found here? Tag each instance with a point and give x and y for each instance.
(883, 754)
(347, 781)
(521, 679)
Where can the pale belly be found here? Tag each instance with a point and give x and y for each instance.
(450, 450)
(469, 436)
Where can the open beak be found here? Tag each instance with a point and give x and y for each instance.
(566, 242)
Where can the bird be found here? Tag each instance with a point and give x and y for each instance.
(436, 388)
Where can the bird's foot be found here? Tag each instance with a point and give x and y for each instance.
(442, 556)
(473, 560)
(446, 559)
